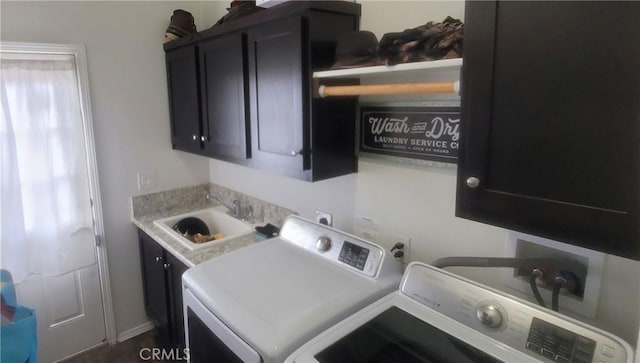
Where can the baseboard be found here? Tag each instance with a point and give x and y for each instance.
(135, 331)
(83, 351)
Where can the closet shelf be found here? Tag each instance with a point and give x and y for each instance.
(416, 67)
(383, 80)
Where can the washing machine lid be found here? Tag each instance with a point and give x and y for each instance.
(276, 295)
(394, 335)
(398, 329)
(436, 306)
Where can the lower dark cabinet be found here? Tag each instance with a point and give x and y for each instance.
(162, 287)
(176, 315)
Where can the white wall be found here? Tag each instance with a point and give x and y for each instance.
(334, 195)
(130, 112)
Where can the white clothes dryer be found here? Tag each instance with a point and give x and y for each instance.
(260, 303)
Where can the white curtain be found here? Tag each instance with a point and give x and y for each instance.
(47, 224)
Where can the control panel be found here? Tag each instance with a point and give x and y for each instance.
(537, 332)
(344, 249)
(559, 344)
(354, 255)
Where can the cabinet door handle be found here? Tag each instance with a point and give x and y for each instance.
(295, 153)
(195, 137)
(473, 182)
(158, 258)
(166, 266)
(204, 139)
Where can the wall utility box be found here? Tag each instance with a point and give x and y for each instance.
(590, 273)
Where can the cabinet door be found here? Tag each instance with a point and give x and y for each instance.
(550, 124)
(279, 97)
(184, 106)
(154, 283)
(175, 271)
(224, 93)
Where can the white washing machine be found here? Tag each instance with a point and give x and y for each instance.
(260, 303)
(437, 316)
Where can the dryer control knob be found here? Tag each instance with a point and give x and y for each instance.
(490, 316)
(323, 244)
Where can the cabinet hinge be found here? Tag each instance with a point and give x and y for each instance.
(98, 241)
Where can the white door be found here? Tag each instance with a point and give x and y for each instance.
(69, 312)
(56, 218)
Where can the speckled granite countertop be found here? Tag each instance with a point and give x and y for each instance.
(150, 207)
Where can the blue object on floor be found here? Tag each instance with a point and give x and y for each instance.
(19, 342)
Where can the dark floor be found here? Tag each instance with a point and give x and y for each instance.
(134, 350)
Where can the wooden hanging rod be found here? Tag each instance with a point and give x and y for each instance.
(390, 89)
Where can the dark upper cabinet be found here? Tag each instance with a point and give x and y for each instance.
(223, 93)
(278, 93)
(162, 288)
(207, 92)
(551, 121)
(184, 105)
(293, 132)
(254, 91)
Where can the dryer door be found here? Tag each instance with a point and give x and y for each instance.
(209, 340)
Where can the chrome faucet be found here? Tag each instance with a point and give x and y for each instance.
(236, 209)
(243, 212)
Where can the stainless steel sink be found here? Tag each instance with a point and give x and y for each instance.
(216, 219)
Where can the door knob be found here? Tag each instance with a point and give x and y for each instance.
(473, 182)
(158, 258)
(194, 137)
(204, 139)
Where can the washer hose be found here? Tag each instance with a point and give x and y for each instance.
(555, 294)
(534, 286)
(523, 263)
(526, 263)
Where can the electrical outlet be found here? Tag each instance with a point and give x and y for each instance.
(406, 257)
(586, 265)
(324, 218)
(146, 180)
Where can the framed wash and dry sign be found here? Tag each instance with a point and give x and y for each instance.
(428, 133)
